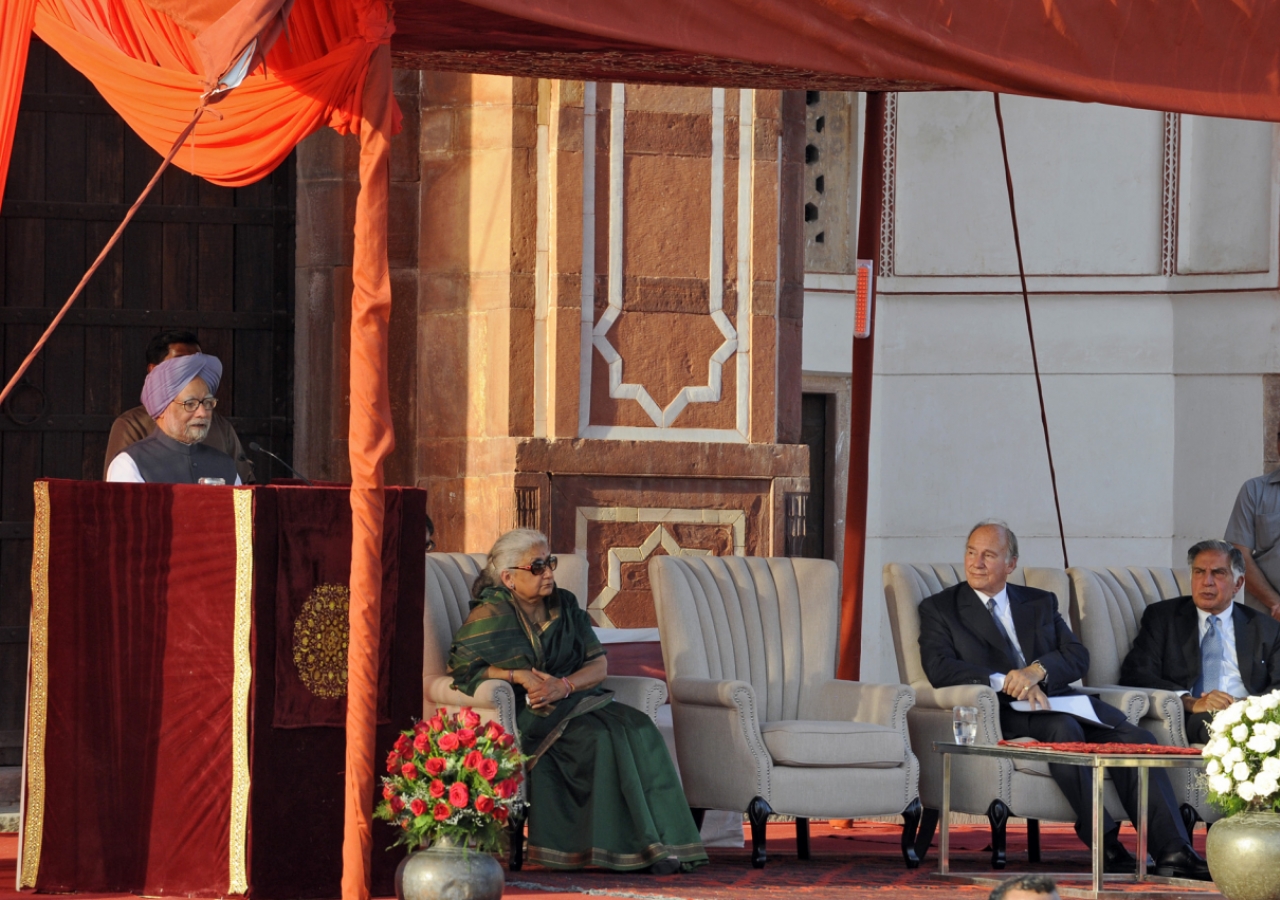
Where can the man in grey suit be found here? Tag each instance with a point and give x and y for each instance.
(1207, 647)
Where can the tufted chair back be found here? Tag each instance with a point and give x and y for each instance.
(907, 584)
(1107, 607)
(448, 599)
(746, 622)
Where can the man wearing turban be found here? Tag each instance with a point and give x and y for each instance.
(133, 425)
(178, 394)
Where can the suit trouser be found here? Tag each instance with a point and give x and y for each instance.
(1198, 727)
(1166, 831)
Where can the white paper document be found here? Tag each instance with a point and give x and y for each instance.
(1072, 704)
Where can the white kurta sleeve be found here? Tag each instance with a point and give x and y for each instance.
(123, 468)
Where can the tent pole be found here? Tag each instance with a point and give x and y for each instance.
(371, 439)
(870, 213)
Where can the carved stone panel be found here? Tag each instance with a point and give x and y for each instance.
(618, 524)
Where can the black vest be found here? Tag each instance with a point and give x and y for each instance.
(162, 460)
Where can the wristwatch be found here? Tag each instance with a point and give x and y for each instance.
(1044, 673)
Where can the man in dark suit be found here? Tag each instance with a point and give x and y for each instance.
(1012, 638)
(1207, 647)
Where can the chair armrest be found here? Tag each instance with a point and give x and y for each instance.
(645, 694)
(712, 692)
(1163, 716)
(494, 694)
(1132, 702)
(1170, 718)
(723, 760)
(857, 701)
(956, 695)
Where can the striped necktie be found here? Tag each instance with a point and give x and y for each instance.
(1014, 653)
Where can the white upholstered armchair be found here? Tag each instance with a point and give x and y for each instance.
(1107, 607)
(996, 788)
(761, 723)
(448, 599)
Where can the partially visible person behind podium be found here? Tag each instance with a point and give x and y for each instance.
(1013, 639)
(602, 788)
(1207, 647)
(133, 425)
(178, 395)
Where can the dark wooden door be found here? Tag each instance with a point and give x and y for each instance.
(217, 261)
(815, 415)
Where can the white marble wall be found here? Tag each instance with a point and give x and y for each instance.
(1153, 384)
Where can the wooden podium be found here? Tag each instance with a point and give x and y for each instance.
(186, 687)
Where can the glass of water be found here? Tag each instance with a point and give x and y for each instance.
(964, 722)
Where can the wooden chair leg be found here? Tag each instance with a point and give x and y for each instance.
(910, 829)
(802, 838)
(998, 816)
(928, 826)
(758, 812)
(1033, 840)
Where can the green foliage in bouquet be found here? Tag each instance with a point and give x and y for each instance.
(1243, 753)
(450, 777)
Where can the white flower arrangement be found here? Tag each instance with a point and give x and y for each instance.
(1243, 753)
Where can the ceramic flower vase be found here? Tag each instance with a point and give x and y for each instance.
(447, 871)
(1242, 851)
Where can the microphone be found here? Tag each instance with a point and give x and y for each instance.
(254, 445)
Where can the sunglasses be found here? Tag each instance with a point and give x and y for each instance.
(538, 566)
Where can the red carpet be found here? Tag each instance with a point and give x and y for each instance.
(860, 862)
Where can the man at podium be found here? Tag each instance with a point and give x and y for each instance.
(179, 395)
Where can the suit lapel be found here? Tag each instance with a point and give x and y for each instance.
(974, 613)
(1246, 645)
(1024, 625)
(1188, 637)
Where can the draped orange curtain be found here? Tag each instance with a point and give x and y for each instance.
(332, 67)
(144, 64)
(15, 37)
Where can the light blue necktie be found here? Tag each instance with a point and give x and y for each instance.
(1211, 658)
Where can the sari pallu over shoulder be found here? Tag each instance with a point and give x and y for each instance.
(495, 634)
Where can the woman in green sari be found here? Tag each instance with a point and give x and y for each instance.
(602, 789)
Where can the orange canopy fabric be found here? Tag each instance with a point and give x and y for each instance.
(15, 26)
(147, 67)
(1213, 57)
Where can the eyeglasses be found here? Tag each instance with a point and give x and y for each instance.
(538, 566)
(191, 404)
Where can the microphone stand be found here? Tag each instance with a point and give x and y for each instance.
(254, 445)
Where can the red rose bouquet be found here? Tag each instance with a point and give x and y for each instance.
(451, 777)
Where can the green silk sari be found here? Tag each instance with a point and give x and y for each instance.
(602, 789)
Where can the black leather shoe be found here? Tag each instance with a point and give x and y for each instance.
(1182, 863)
(1117, 860)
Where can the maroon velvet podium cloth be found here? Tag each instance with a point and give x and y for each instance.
(160, 615)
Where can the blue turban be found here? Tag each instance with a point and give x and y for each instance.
(167, 380)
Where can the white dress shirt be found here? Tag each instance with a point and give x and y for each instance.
(1229, 681)
(1006, 619)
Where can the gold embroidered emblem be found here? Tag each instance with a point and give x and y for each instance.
(321, 635)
